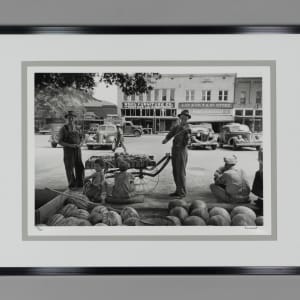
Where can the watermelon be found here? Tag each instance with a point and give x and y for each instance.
(132, 221)
(100, 224)
(71, 221)
(179, 203)
(81, 214)
(259, 221)
(200, 212)
(242, 220)
(193, 221)
(83, 222)
(112, 218)
(218, 220)
(96, 217)
(175, 220)
(179, 212)
(129, 212)
(243, 210)
(220, 211)
(99, 209)
(55, 220)
(197, 204)
(69, 210)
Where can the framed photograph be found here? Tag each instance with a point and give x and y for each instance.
(128, 147)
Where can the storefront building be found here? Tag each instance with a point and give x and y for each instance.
(248, 103)
(209, 98)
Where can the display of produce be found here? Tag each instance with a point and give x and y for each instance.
(136, 161)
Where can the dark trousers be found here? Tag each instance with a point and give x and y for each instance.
(179, 161)
(73, 162)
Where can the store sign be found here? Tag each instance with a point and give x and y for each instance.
(201, 105)
(133, 105)
(207, 111)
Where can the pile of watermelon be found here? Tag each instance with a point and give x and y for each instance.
(180, 213)
(71, 215)
(197, 214)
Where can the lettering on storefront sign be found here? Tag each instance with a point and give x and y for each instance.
(200, 105)
(148, 105)
(217, 111)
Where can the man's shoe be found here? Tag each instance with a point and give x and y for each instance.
(175, 194)
(180, 196)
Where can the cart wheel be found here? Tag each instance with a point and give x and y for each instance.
(146, 184)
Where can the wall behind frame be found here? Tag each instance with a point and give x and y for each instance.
(107, 12)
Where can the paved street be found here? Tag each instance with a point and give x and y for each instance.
(201, 165)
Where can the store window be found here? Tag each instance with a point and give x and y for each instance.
(248, 113)
(164, 95)
(243, 97)
(190, 95)
(223, 95)
(156, 94)
(258, 97)
(133, 97)
(258, 113)
(172, 95)
(125, 97)
(239, 112)
(149, 96)
(206, 95)
(140, 97)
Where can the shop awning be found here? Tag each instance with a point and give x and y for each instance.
(211, 118)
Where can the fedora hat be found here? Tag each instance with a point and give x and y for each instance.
(185, 113)
(70, 114)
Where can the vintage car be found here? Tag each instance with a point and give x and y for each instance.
(105, 136)
(203, 136)
(238, 136)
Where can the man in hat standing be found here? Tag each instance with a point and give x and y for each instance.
(70, 138)
(230, 184)
(181, 135)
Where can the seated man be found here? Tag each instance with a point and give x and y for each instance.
(124, 188)
(257, 187)
(230, 183)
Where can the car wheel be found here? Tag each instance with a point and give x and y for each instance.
(53, 145)
(235, 147)
(137, 133)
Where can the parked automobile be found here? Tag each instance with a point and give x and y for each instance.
(238, 136)
(130, 129)
(104, 136)
(44, 130)
(203, 136)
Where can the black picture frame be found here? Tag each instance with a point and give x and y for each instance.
(145, 29)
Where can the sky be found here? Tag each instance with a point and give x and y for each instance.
(101, 92)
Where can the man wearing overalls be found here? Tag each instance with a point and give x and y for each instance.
(70, 138)
(181, 134)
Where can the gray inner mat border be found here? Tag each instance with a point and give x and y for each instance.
(267, 63)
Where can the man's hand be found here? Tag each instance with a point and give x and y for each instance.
(186, 127)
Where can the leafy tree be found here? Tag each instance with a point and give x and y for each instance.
(55, 91)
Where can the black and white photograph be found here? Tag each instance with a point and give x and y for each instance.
(149, 149)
